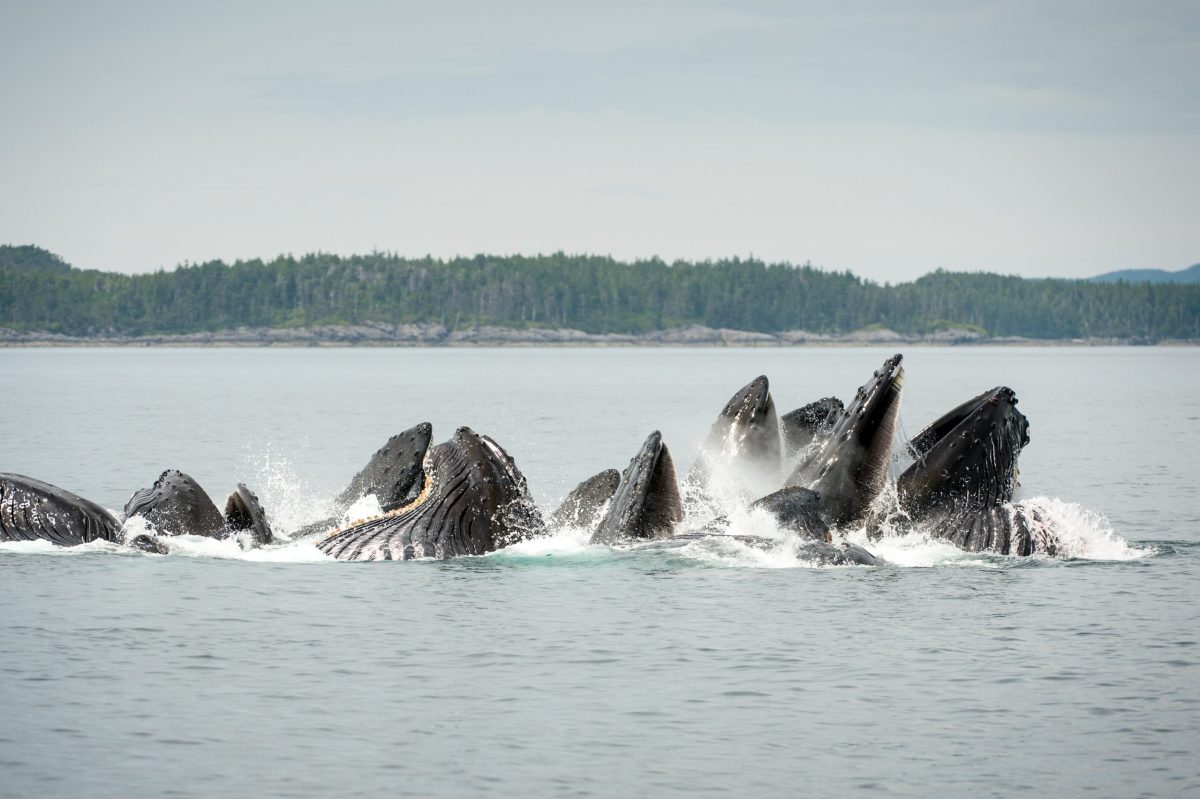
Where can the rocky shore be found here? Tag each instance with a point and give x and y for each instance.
(433, 335)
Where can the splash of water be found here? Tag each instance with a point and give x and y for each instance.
(1083, 533)
(290, 503)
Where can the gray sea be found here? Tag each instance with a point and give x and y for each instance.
(555, 668)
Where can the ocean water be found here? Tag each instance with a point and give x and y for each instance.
(554, 668)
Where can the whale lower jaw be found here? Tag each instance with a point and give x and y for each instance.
(32, 510)
(474, 501)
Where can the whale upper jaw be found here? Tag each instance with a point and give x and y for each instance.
(394, 473)
(743, 449)
(850, 469)
(751, 403)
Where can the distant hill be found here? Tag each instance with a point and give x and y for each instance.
(1189, 275)
(559, 291)
(28, 258)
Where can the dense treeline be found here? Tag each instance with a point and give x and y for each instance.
(591, 293)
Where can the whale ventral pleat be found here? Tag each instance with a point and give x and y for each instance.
(31, 510)
(663, 508)
(473, 500)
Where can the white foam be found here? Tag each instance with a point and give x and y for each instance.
(197, 546)
(563, 541)
(1083, 533)
(915, 550)
(41, 547)
(237, 547)
(289, 503)
(730, 552)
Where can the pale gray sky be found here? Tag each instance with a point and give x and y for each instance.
(1039, 138)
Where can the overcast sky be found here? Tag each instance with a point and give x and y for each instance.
(889, 139)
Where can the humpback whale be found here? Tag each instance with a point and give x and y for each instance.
(473, 500)
(244, 512)
(582, 506)
(850, 468)
(796, 509)
(744, 439)
(646, 503)
(960, 487)
(32, 510)
(818, 553)
(177, 505)
(393, 474)
(809, 424)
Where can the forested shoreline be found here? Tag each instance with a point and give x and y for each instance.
(594, 294)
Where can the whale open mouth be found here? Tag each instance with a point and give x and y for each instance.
(244, 512)
(474, 500)
(647, 503)
(743, 445)
(395, 473)
(968, 456)
(850, 468)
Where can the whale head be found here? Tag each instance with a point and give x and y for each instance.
(647, 502)
(850, 468)
(393, 474)
(473, 500)
(967, 457)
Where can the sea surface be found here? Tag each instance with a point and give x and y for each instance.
(555, 668)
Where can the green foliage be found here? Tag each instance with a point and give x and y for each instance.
(592, 293)
(32, 259)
